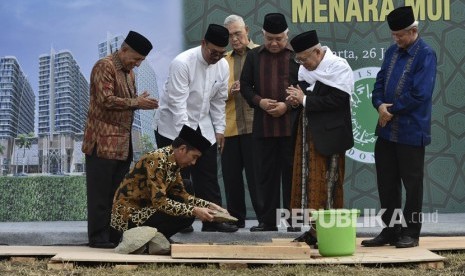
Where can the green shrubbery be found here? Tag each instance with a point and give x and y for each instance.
(43, 198)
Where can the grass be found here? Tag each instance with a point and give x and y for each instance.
(453, 265)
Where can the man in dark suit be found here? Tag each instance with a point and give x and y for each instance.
(325, 132)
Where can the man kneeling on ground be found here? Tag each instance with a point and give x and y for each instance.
(153, 193)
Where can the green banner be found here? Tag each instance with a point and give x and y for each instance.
(357, 31)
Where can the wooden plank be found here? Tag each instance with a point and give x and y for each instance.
(109, 257)
(442, 243)
(65, 256)
(23, 260)
(372, 255)
(235, 251)
(430, 243)
(384, 254)
(21, 250)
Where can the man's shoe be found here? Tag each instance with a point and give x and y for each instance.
(406, 242)
(380, 240)
(102, 245)
(218, 227)
(188, 229)
(306, 237)
(294, 229)
(262, 227)
(238, 224)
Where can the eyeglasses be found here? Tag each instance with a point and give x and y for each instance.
(215, 53)
(301, 60)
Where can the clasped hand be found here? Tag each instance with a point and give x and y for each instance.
(273, 107)
(383, 114)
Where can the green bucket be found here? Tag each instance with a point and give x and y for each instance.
(336, 231)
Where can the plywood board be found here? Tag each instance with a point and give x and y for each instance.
(261, 251)
(430, 243)
(363, 255)
(442, 243)
(21, 250)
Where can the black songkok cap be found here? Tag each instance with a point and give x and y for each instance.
(194, 138)
(304, 41)
(400, 18)
(138, 43)
(217, 35)
(275, 23)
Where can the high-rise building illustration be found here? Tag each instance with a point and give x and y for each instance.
(16, 107)
(63, 104)
(63, 94)
(16, 99)
(146, 80)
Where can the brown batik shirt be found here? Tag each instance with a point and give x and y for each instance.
(111, 109)
(153, 185)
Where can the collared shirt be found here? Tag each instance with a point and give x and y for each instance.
(406, 80)
(154, 184)
(239, 115)
(195, 95)
(113, 100)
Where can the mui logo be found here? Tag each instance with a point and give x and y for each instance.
(364, 116)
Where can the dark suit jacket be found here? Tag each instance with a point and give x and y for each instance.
(329, 119)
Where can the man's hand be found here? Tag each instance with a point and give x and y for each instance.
(235, 88)
(267, 104)
(215, 207)
(295, 95)
(144, 101)
(383, 115)
(278, 109)
(220, 141)
(204, 214)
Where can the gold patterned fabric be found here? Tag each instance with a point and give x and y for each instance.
(319, 175)
(153, 185)
(239, 115)
(111, 109)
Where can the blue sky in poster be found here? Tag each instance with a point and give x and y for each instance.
(32, 27)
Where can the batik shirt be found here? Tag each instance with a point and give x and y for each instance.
(153, 185)
(113, 99)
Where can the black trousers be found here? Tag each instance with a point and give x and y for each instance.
(398, 164)
(274, 161)
(237, 157)
(103, 177)
(166, 224)
(204, 174)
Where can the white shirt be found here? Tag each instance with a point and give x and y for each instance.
(194, 94)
